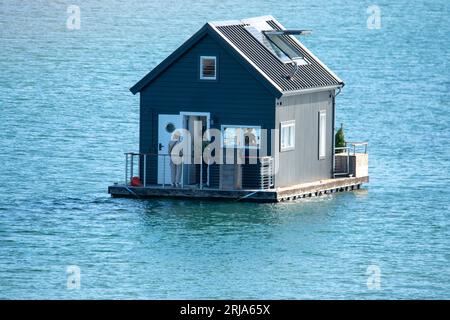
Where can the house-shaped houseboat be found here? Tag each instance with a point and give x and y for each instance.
(253, 97)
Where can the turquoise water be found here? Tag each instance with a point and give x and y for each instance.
(67, 116)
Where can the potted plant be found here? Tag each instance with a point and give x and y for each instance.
(339, 140)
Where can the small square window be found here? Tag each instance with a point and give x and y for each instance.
(287, 135)
(208, 68)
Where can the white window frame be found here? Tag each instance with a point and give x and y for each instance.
(202, 77)
(322, 134)
(291, 143)
(241, 141)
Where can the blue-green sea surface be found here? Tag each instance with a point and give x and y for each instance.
(66, 117)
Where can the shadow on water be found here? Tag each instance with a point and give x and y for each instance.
(201, 215)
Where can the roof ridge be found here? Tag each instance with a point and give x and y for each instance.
(256, 57)
(220, 23)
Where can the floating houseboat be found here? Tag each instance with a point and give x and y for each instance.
(250, 112)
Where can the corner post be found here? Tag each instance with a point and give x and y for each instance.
(145, 170)
(126, 168)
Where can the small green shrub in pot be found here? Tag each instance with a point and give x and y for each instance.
(339, 140)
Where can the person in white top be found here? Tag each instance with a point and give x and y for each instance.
(175, 168)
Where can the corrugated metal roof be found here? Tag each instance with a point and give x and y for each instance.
(259, 56)
(312, 75)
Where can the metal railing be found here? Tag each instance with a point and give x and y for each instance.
(266, 172)
(347, 167)
(357, 146)
(138, 165)
(347, 151)
(143, 165)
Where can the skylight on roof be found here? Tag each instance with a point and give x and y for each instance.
(261, 37)
(287, 48)
(275, 43)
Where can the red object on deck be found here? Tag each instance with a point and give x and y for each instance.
(136, 182)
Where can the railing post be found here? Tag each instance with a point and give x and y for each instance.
(131, 166)
(270, 173)
(164, 171)
(126, 168)
(145, 170)
(261, 174)
(207, 174)
(182, 174)
(201, 175)
(348, 162)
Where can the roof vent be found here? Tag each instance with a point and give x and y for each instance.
(294, 70)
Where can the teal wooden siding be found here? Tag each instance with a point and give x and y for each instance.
(236, 98)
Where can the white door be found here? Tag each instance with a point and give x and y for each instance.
(167, 124)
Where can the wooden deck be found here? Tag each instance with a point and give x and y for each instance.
(305, 190)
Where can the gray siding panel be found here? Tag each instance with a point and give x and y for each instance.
(303, 162)
(237, 98)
